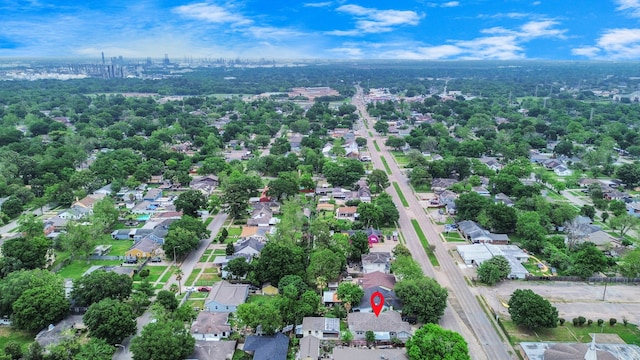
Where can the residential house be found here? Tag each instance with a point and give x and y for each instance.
(330, 298)
(54, 224)
(615, 195)
(386, 326)
(211, 326)
(374, 236)
(267, 347)
(88, 201)
(143, 248)
(447, 198)
(309, 348)
(262, 217)
(347, 213)
(145, 208)
(504, 199)
(562, 170)
(259, 233)
(74, 213)
(492, 163)
(152, 194)
(156, 179)
(593, 351)
(205, 184)
(585, 182)
(352, 353)
(295, 140)
(391, 301)
(377, 278)
(225, 297)
(473, 232)
(441, 184)
(249, 246)
(214, 350)
(476, 254)
(376, 261)
(551, 164)
(321, 327)
(633, 208)
(481, 190)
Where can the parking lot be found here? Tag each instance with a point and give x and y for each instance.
(573, 299)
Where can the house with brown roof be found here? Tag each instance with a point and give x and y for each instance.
(377, 278)
(386, 326)
(225, 297)
(211, 326)
(347, 212)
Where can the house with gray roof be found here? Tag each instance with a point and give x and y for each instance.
(225, 297)
(321, 327)
(309, 348)
(211, 326)
(267, 347)
(386, 326)
(376, 261)
(214, 350)
(250, 246)
(350, 353)
(476, 254)
(391, 300)
(473, 232)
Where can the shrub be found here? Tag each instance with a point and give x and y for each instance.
(576, 322)
(589, 322)
(626, 242)
(612, 321)
(561, 321)
(600, 322)
(625, 321)
(581, 320)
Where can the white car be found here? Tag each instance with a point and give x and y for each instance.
(190, 289)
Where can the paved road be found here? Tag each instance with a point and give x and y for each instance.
(463, 313)
(187, 267)
(4, 230)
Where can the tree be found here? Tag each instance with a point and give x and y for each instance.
(469, 205)
(236, 200)
(420, 176)
(40, 306)
(95, 349)
(589, 211)
(531, 231)
(167, 299)
(431, 342)
(379, 179)
(15, 283)
(624, 223)
(30, 252)
(286, 185)
(30, 226)
(13, 350)
(34, 352)
(343, 173)
(98, 285)
(617, 207)
(350, 294)
(180, 241)
(110, 320)
(406, 268)
(502, 218)
(382, 127)
(395, 142)
(250, 315)
(494, 270)
(12, 207)
(401, 250)
(630, 266)
(192, 224)
(230, 249)
(238, 267)
(277, 260)
(105, 214)
(629, 174)
(80, 240)
(532, 310)
(370, 337)
(168, 340)
(327, 263)
(370, 214)
(389, 209)
(358, 245)
(190, 201)
(423, 298)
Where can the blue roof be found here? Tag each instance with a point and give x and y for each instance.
(268, 347)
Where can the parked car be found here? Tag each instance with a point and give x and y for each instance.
(204, 289)
(191, 288)
(156, 259)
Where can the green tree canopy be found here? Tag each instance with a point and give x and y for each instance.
(110, 320)
(431, 342)
(168, 340)
(423, 298)
(494, 270)
(350, 294)
(99, 285)
(532, 310)
(38, 307)
(190, 201)
(277, 260)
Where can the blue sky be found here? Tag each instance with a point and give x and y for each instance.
(339, 29)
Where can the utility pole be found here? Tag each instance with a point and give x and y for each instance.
(605, 291)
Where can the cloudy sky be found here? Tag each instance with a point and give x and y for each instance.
(338, 29)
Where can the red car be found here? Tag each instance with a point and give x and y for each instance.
(204, 289)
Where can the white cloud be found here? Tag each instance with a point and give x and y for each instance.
(534, 29)
(211, 13)
(351, 52)
(371, 21)
(536, 3)
(633, 6)
(451, 4)
(620, 43)
(318, 4)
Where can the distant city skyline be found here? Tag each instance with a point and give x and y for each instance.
(372, 29)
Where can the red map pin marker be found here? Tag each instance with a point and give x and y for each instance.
(377, 307)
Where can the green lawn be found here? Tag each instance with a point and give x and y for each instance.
(154, 273)
(8, 334)
(118, 247)
(570, 333)
(167, 275)
(425, 243)
(208, 221)
(386, 166)
(234, 231)
(76, 268)
(404, 201)
(262, 299)
(219, 252)
(375, 143)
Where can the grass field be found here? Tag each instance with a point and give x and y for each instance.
(425, 243)
(569, 333)
(77, 268)
(23, 338)
(404, 201)
(386, 166)
(375, 143)
(154, 273)
(263, 299)
(234, 231)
